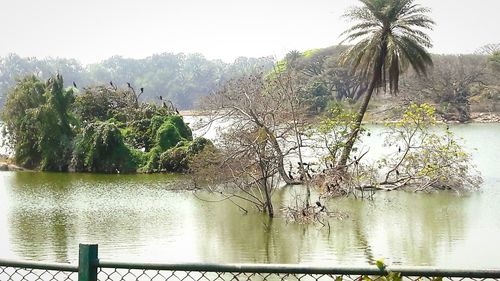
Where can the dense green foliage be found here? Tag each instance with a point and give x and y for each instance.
(180, 157)
(100, 148)
(103, 129)
(39, 122)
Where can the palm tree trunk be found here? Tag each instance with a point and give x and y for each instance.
(377, 74)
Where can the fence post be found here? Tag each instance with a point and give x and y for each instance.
(87, 262)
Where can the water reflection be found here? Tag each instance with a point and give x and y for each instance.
(405, 228)
(43, 216)
(140, 222)
(40, 234)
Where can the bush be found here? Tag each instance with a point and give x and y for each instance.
(175, 159)
(100, 148)
(183, 129)
(167, 136)
(179, 158)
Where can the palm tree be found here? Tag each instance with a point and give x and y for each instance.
(389, 38)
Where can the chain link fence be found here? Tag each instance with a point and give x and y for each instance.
(116, 274)
(91, 268)
(161, 275)
(34, 271)
(109, 271)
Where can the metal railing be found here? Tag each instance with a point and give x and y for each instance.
(24, 270)
(90, 268)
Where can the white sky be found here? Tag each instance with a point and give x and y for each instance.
(93, 30)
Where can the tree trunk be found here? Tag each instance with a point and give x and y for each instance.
(377, 74)
(277, 149)
(281, 157)
(269, 203)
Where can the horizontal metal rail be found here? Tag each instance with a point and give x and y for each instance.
(264, 268)
(91, 268)
(304, 269)
(39, 265)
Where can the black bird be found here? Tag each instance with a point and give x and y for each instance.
(318, 204)
(128, 84)
(290, 175)
(160, 97)
(177, 111)
(399, 149)
(142, 90)
(74, 85)
(111, 83)
(397, 172)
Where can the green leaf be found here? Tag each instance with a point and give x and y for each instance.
(380, 264)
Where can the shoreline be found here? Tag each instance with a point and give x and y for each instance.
(476, 117)
(5, 166)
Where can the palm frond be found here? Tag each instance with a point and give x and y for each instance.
(391, 30)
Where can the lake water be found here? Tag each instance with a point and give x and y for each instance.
(43, 216)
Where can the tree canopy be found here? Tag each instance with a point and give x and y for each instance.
(104, 129)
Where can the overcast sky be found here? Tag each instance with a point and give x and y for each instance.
(93, 30)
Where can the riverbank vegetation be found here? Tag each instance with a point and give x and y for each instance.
(103, 129)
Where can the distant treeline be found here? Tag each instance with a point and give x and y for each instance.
(456, 84)
(181, 78)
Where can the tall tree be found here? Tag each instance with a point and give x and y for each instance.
(389, 39)
(39, 122)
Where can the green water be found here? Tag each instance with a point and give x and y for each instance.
(43, 216)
